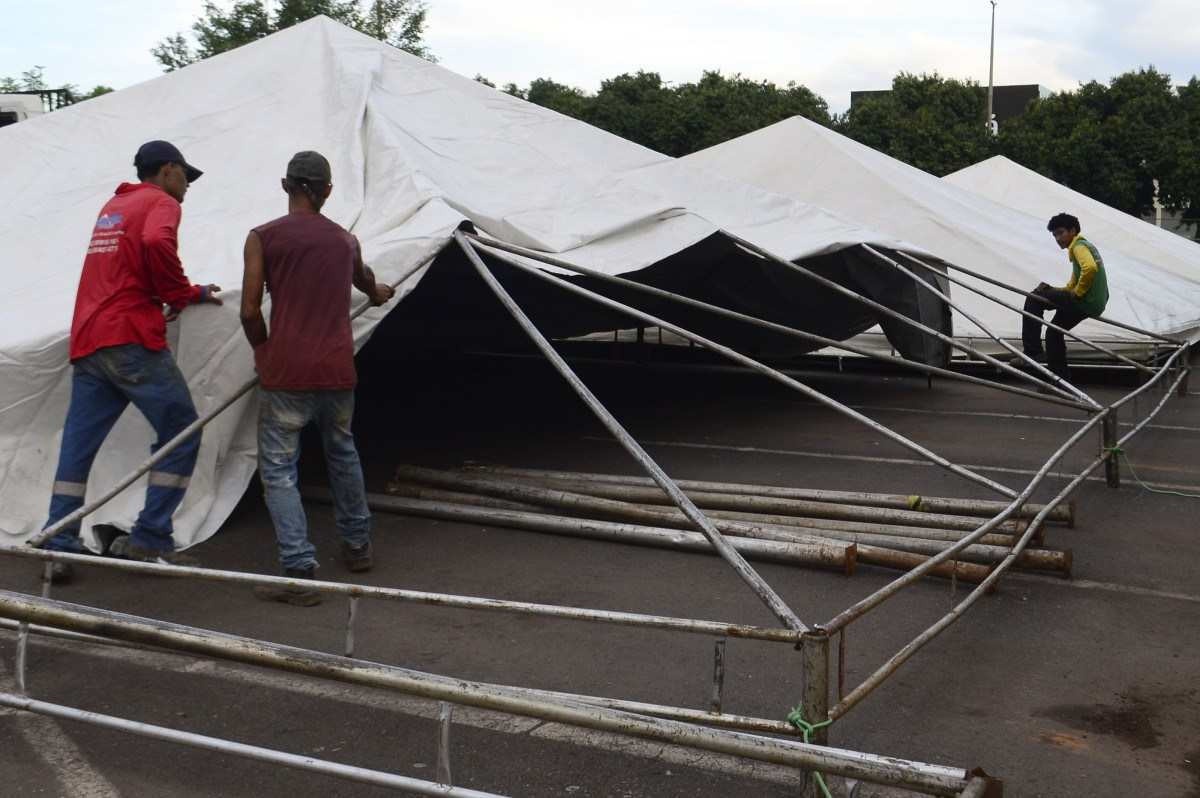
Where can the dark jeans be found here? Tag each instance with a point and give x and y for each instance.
(281, 417)
(1067, 315)
(102, 386)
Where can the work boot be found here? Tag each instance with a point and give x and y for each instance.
(1020, 362)
(132, 551)
(296, 596)
(357, 558)
(107, 535)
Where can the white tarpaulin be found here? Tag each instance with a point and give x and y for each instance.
(1008, 183)
(415, 150)
(802, 159)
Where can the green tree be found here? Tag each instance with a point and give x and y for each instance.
(928, 121)
(400, 23)
(677, 120)
(1180, 188)
(1111, 142)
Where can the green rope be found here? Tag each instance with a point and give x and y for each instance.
(796, 718)
(914, 502)
(1121, 453)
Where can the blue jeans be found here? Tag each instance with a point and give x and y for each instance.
(102, 385)
(281, 417)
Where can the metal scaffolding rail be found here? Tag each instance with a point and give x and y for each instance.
(673, 724)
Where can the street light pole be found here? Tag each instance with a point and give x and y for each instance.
(991, 65)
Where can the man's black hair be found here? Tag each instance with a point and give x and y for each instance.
(149, 170)
(1064, 220)
(313, 190)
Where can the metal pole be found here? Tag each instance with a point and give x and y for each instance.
(683, 625)
(704, 718)
(984, 508)
(718, 686)
(890, 667)
(1111, 452)
(731, 354)
(751, 577)
(177, 441)
(22, 656)
(814, 648)
(991, 64)
(351, 616)
(306, 763)
(878, 307)
(773, 326)
(445, 713)
(885, 770)
(1026, 314)
(1048, 303)
(1062, 386)
(865, 605)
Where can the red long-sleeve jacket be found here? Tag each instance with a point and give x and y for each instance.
(131, 270)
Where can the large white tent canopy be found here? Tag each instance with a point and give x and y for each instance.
(416, 150)
(805, 160)
(1008, 183)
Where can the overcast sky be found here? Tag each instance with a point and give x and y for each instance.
(832, 46)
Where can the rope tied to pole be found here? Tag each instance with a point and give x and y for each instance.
(796, 718)
(1121, 452)
(914, 502)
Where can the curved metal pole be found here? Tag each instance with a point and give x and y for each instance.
(900, 657)
(1048, 303)
(1061, 386)
(1068, 333)
(763, 369)
(773, 326)
(178, 440)
(877, 306)
(867, 604)
(701, 522)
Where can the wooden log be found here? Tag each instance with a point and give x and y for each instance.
(984, 508)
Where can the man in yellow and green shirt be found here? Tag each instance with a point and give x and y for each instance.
(1083, 297)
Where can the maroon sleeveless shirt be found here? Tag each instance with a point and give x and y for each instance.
(309, 265)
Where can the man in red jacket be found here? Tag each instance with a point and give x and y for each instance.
(305, 362)
(119, 350)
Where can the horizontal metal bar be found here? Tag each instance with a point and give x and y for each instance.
(935, 779)
(1149, 383)
(254, 752)
(686, 625)
(720, 720)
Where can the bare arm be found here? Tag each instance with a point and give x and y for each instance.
(364, 280)
(253, 280)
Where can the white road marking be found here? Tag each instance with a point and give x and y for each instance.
(863, 458)
(1110, 587)
(47, 739)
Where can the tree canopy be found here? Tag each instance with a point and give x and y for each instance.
(400, 23)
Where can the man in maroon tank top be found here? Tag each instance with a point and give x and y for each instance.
(305, 364)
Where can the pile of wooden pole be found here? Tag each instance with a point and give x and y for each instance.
(831, 529)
